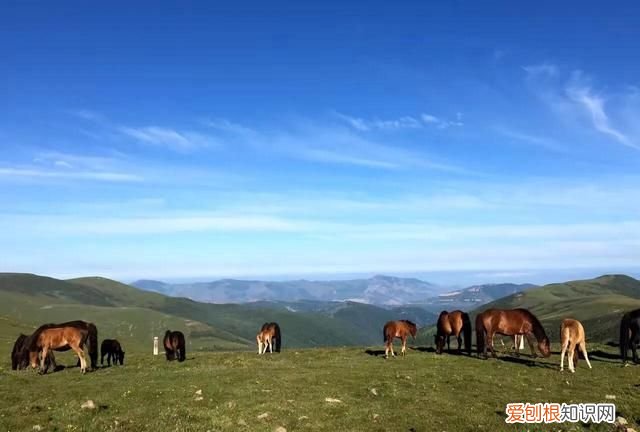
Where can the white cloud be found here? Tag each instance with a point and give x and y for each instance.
(594, 106)
(168, 138)
(79, 175)
(536, 140)
(401, 123)
(228, 126)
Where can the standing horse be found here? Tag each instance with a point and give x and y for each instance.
(59, 337)
(509, 322)
(268, 333)
(113, 350)
(453, 323)
(174, 345)
(572, 335)
(397, 329)
(630, 335)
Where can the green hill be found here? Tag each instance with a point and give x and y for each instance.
(134, 316)
(598, 303)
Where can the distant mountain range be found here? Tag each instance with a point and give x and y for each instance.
(378, 290)
(476, 295)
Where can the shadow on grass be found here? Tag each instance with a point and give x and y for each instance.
(529, 362)
(603, 356)
(376, 353)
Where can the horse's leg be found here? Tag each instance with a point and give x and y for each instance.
(80, 353)
(448, 345)
(404, 345)
(572, 354)
(583, 348)
(43, 359)
(528, 337)
(633, 351)
(489, 344)
(459, 342)
(102, 358)
(393, 354)
(562, 354)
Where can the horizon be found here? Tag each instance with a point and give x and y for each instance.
(458, 141)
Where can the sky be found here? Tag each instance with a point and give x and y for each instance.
(172, 140)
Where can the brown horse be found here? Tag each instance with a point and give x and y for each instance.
(453, 323)
(61, 337)
(397, 329)
(269, 332)
(572, 335)
(509, 322)
(174, 345)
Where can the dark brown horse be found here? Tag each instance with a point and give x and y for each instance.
(509, 322)
(74, 335)
(453, 323)
(113, 350)
(269, 334)
(397, 329)
(174, 345)
(630, 335)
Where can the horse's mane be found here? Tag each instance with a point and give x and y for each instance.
(411, 323)
(538, 329)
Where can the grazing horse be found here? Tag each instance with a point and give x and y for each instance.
(509, 322)
(572, 335)
(268, 333)
(397, 329)
(74, 335)
(113, 350)
(453, 323)
(174, 345)
(630, 335)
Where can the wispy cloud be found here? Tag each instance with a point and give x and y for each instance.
(539, 141)
(405, 122)
(73, 175)
(228, 126)
(594, 106)
(574, 97)
(169, 138)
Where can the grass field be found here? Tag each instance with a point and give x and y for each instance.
(243, 392)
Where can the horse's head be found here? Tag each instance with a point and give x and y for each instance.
(544, 347)
(121, 358)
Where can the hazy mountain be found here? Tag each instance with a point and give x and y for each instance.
(476, 295)
(378, 290)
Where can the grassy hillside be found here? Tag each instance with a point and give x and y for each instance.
(598, 303)
(242, 391)
(135, 316)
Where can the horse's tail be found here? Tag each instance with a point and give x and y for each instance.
(466, 328)
(384, 334)
(278, 337)
(92, 343)
(624, 337)
(480, 342)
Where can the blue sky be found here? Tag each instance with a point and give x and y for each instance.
(281, 139)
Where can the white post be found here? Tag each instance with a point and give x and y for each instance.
(521, 342)
(155, 345)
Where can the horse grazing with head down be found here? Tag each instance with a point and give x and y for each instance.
(572, 335)
(113, 350)
(397, 329)
(453, 323)
(509, 322)
(269, 332)
(630, 335)
(74, 335)
(174, 345)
